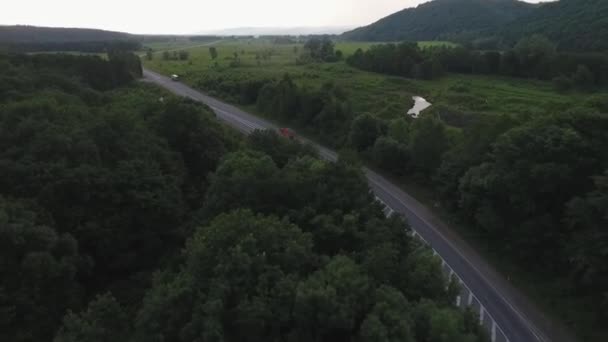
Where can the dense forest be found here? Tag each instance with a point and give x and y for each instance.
(129, 215)
(579, 25)
(574, 25)
(34, 39)
(23, 39)
(533, 57)
(35, 34)
(439, 19)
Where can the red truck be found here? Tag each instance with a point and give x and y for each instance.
(287, 133)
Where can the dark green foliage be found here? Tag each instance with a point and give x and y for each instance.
(584, 20)
(491, 24)
(109, 176)
(100, 189)
(534, 171)
(33, 39)
(562, 83)
(364, 131)
(404, 59)
(583, 77)
(317, 274)
(39, 268)
(442, 19)
(281, 150)
(587, 218)
(21, 33)
(103, 321)
(213, 52)
(391, 155)
(100, 74)
(323, 111)
(428, 142)
(532, 57)
(183, 55)
(319, 50)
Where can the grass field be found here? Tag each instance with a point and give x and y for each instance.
(385, 96)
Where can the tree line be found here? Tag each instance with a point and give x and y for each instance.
(77, 46)
(532, 57)
(127, 214)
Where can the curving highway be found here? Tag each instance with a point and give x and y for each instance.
(506, 314)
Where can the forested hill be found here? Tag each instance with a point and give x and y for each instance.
(34, 39)
(35, 34)
(441, 18)
(572, 24)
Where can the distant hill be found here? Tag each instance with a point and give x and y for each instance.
(34, 39)
(572, 24)
(35, 34)
(440, 18)
(267, 31)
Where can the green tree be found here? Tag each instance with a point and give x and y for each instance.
(244, 180)
(38, 272)
(330, 302)
(391, 155)
(535, 53)
(428, 142)
(213, 52)
(389, 320)
(103, 321)
(587, 218)
(364, 131)
(183, 55)
(399, 129)
(562, 83)
(243, 266)
(279, 149)
(521, 192)
(583, 77)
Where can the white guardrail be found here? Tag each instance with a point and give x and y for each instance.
(485, 318)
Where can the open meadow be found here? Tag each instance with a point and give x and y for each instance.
(381, 95)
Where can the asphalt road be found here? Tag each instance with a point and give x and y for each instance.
(508, 315)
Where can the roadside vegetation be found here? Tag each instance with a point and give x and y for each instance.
(127, 214)
(519, 161)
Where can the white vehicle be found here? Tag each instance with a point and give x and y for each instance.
(175, 77)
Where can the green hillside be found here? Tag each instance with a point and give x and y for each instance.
(572, 24)
(441, 18)
(31, 34)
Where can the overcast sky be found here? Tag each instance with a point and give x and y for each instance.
(190, 16)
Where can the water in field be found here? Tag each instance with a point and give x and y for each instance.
(420, 104)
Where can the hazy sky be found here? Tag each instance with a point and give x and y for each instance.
(189, 16)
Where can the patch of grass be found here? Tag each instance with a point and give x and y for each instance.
(386, 96)
(348, 48)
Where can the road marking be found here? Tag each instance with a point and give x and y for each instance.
(481, 313)
(470, 298)
(458, 301)
(493, 333)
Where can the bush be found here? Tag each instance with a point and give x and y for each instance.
(562, 83)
